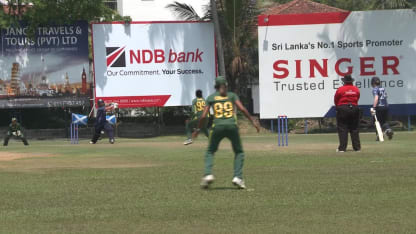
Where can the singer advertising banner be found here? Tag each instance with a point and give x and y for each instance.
(302, 59)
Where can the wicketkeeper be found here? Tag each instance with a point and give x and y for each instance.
(102, 124)
(15, 131)
(225, 106)
(198, 105)
(381, 107)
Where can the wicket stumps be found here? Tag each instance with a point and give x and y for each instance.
(74, 133)
(282, 130)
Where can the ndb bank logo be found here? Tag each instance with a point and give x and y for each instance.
(116, 56)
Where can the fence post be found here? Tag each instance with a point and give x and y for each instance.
(70, 133)
(278, 130)
(287, 131)
(409, 123)
(77, 132)
(306, 126)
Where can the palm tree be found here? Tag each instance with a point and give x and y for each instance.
(239, 26)
(234, 25)
(187, 12)
(219, 38)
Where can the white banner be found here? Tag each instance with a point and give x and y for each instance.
(153, 64)
(303, 57)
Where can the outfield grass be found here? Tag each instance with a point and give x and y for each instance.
(152, 186)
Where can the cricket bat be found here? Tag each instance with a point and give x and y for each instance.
(379, 130)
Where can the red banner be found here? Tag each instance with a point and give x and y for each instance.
(138, 101)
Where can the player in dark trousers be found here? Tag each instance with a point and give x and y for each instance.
(225, 106)
(15, 130)
(381, 107)
(198, 105)
(348, 114)
(102, 124)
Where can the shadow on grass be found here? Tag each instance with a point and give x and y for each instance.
(223, 188)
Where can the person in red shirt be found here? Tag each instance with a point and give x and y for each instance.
(348, 114)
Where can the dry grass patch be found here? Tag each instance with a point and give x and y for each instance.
(7, 156)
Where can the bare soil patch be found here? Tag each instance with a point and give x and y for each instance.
(8, 156)
(9, 161)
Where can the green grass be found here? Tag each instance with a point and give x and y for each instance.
(152, 186)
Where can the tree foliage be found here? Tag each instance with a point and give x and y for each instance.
(238, 29)
(49, 12)
(350, 5)
(361, 5)
(238, 21)
(187, 12)
(390, 4)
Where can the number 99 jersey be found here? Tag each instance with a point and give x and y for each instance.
(224, 108)
(198, 105)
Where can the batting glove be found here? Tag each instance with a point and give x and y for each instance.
(373, 111)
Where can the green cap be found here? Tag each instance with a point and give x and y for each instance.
(220, 80)
(14, 119)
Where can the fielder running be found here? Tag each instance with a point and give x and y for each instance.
(381, 107)
(224, 104)
(198, 105)
(15, 130)
(102, 124)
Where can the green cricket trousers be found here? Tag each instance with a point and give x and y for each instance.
(191, 124)
(218, 133)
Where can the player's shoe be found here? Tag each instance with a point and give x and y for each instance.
(188, 142)
(239, 183)
(389, 133)
(207, 181)
(112, 141)
(92, 143)
(340, 151)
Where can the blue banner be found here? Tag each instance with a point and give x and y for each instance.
(50, 69)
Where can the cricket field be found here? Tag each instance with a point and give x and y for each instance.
(152, 186)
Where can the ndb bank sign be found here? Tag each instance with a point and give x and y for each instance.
(153, 64)
(303, 57)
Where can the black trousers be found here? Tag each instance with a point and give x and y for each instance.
(382, 114)
(7, 138)
(108, 129)
(348, 121)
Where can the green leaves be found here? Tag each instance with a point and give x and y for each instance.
(47, 12)
(233, 11)
(67, 11)
(390, 4)
(238, 20)
(186, 12)
(361, 5)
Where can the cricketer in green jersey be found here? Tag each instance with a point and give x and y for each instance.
(225, 106)
(16, 131)
(198, 105)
